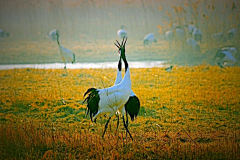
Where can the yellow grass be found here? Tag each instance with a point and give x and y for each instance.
(191, 112)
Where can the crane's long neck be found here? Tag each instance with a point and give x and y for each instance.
(58, 40)
(126, 65)
(119, 72)
(127, 78)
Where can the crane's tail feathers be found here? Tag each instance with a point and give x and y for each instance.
(89, 90)
(132, 107)
(92, 101)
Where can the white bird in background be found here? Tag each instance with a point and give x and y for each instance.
(232, 33)
(169, 35)
(66, 54)
(179, 33)
(225, 56)
(149, 39)
(193, 44)
(122, 32)
(108, 101)
(3, 33)
(191, 28)
(52, 34)
(133, 104)
(197, 35)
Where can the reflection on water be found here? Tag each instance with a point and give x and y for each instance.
(135, 64)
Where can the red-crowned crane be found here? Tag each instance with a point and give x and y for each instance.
(225, 56)
(233, 32)
(149, 39)
(197, 35)
(52, 34)
(107, 101)
(133, 104)
(122, 32)
(193, 44)
(66, 54)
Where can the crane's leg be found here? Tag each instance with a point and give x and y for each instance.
(126, 127)
(127, 119)
(126, 122)
(106, 126)
(117, 122)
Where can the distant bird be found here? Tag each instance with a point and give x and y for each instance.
(52, 34)
(133, 104)
(108, 101)
(193, 44)
(169, 35)
(149, 39)
(225, 56)
(3, 33)
(66, 54)
(220, 65)
(179, 33)
(197, 35)
(218, 37)
(191, 28)
(232, 33)
(169, 69)
(122, 32)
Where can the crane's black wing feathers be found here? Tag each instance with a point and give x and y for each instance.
(132, 107)
(92, 101)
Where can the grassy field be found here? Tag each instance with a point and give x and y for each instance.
(189, 113)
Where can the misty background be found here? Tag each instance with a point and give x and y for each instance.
(88, 28)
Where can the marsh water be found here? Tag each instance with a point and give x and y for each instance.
(85, 65)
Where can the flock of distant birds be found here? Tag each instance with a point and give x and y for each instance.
(224, 56)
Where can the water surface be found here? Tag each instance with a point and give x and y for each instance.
(133, 64)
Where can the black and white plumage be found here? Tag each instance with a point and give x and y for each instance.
(169, 69)
(122, 32)
(193, 44)
(66, 54)
(197, 35)
(52, 34)
(149, 39)
(108, 101)
(225, 56)
(132, 106)
(3, 33)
